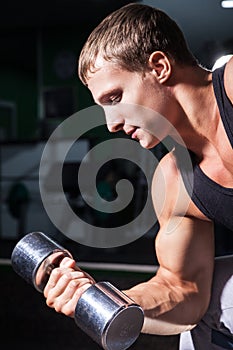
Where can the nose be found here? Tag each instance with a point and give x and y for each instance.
(115, 127)
(114, 118)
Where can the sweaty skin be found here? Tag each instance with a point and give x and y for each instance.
(177, 297)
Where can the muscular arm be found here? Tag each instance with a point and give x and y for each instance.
(178, 295)
(176, 298)
(228, 79)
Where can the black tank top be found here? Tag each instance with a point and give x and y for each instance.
(214, 200)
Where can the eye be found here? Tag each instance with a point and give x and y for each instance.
(113, 100)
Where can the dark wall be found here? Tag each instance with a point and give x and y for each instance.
(40, 44)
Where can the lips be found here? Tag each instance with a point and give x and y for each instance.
(132, 132)
(134, 135)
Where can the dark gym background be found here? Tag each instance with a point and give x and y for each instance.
(39, 45)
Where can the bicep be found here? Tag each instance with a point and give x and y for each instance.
(186, 250)
(185, 243)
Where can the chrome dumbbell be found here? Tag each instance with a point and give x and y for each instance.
(106, 314)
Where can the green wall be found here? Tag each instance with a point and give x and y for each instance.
(20, 88)
(19, 73)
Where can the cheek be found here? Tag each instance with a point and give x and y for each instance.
(154, 99)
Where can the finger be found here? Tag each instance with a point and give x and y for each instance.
(68, 262)
(54, 277)
(67, 302)
(92, 281)
(57, 285)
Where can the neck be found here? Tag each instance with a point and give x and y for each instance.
(196, 120)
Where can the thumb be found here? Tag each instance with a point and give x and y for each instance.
(68, 262)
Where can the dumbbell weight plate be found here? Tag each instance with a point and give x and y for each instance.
(108, 316)
(30, 255)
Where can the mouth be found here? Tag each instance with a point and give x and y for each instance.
(132, 132)
(134, 135)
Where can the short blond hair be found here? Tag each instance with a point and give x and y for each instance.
(129, 35)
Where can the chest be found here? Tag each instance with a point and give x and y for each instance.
(212, 199)
(219, 170)
(218, 165)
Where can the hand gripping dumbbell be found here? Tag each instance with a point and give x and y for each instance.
(106, 314)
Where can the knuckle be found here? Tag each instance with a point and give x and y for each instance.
(49, 302)
(58, 306)
(73, 283)
(68, 311)
(83, 288)
(55, 272)
(66, 277)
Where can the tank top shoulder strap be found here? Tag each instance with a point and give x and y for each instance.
(224, 104)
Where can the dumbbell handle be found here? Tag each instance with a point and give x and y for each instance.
(105, 313)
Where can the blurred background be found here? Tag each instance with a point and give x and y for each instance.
(39, 88)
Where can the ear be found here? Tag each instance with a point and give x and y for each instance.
(160, 66)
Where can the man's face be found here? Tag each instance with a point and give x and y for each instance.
(122, 93)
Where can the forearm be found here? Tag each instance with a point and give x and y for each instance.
(168, 308)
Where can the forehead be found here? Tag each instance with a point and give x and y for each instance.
(106, 75)
(102, 67)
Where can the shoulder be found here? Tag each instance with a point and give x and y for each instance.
(228, 79)
(169, 195)
(166, 172)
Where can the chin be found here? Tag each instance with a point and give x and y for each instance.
(145, 145)
(148, 145)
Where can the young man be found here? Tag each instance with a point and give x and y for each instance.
(139, 56)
